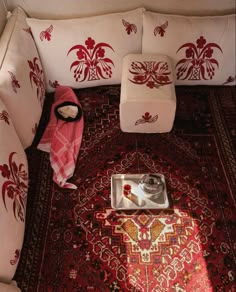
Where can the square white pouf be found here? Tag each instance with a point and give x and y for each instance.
(148, 100)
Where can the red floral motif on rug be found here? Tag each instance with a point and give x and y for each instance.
(75, 241)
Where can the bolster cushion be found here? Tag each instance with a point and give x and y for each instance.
(202, 47)
(86, 52)
(22, 87)
(13, 196)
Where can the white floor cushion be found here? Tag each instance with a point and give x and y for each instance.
(22, 85)
(202, 47)
(12, 287)
(88, 51)
(13, 190)
(148, 101)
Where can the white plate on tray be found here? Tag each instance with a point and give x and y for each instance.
(137, 199)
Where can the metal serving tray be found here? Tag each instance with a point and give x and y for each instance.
(138, 198)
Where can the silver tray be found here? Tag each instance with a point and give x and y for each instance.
(138, 198)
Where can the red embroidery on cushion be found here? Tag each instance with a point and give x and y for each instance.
(46, 34)
(4, 116)
(91, 63)
(37, 77)
(28, 30)
(16, 257)
(161, 29)
(229, 80)
(146, 118)
(14, 83)
(15, 186)
(129, 27)
(34, 130)
(151, 73)
(198, 62)
(53, 84)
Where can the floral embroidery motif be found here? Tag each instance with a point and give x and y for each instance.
(91, 63)
(14, 82)
(46, 34)
(198, 62)
(16, 257)
(15, 187)
(153, 74)
(4, 116)
(146, 118)
(37, 77)
(161, 29)
(53, 84)
(229, 80)
(129, 27)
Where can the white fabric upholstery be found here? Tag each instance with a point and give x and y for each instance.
(22, 85)
(11, 287)
(13, 190)
(88, 51)
(3, 15)
(148, 101)
(202, 48)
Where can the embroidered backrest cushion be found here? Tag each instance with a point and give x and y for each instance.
(87, 52)
(13, 190)
(202, 48)
(22, 85)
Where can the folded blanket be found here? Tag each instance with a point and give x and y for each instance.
(63, 134)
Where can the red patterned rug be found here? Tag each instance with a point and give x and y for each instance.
(75, 241)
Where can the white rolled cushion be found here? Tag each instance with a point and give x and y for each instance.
(22, 85)
(202, 48)
(148, 100)
(13, 190)
(87, 52)
(12, 287)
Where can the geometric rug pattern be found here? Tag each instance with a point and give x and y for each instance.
(75, 241)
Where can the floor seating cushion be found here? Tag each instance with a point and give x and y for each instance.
(12, 287)
(86, 51)
(148, 100)
(22, 87)
(14, 187)
(202, 48)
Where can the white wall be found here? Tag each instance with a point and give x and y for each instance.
(70, 8)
